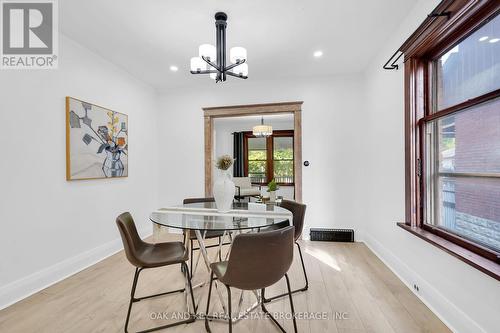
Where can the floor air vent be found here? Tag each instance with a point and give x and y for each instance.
(332, 235)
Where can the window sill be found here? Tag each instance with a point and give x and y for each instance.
(484, 265)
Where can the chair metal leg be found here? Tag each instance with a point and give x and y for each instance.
(229, 312)
(291, 303)
(267, 300)
(264, 309)
(220, 250)
(132, 293)
(184, 241)
(207, 327)
(230, 315)
(133, 299)
(303, 268)
(289, 293)
(191, 256)
(188, 277)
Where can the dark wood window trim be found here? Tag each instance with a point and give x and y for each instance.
(269, 152)
(432, 39)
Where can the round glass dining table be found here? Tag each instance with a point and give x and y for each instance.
(203, 217)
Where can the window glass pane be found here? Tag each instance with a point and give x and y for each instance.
(470, 207)
(469, 141)
(463, 173)
(256, 143)
(283, 171)
(471, 68)
(257, 171)
(283, 148)
(257, 155)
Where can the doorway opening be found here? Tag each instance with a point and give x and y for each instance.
(276, 157)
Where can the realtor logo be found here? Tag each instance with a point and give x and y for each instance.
(29, 34)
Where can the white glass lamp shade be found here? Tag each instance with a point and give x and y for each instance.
(208, 51)
(237, 54)
(241, 70)
(197, 64)
(262, 130)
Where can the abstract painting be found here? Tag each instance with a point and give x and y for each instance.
(96, 141)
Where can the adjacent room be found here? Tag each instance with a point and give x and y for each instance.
(250, 166)
(258, 158)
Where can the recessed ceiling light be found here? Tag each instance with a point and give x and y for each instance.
(494, 40)
(482, 39)
(318, 54)
(174, 68)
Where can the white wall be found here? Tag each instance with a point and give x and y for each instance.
(466, 299)
(50, 227)
(332, 140)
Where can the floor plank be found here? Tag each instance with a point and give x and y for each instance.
(350, 291)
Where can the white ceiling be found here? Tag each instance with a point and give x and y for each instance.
(147, 37)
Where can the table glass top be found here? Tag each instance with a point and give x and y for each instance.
(204, 216)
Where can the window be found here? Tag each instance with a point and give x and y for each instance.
(257, 159)
(270, 158)
(462, 146)
(452, 74)
(463, 173)
(283, 159)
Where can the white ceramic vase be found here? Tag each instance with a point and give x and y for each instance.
(272, 196)
(224, 190)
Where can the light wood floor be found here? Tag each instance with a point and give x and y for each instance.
(346, 279)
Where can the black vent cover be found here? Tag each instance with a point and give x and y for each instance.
(332, 235)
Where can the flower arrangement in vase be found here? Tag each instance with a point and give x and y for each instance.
(224, 188)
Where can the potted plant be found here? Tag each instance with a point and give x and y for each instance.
(272, 187)
(224, 188)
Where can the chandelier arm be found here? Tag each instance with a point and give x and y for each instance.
(236, 75)
(234, 65)
(204, 72)
(210, 63)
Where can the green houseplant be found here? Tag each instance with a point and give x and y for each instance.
(272, 187)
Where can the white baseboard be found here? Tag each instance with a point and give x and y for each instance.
(27, 286)
(453, 317)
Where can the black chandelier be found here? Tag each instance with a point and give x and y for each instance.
(212, 60)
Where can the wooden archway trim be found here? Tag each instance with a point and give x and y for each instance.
(210, 113)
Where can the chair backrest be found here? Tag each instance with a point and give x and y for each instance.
(196, 200)
(186, 201)
(259, 260)
(298, 210)
(242, 182)
(132, 242)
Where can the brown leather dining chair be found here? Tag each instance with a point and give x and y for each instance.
(298, 210)
(145, 255)
(251, 267)
(210, 234)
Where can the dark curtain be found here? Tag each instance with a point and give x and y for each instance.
(238, 168)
